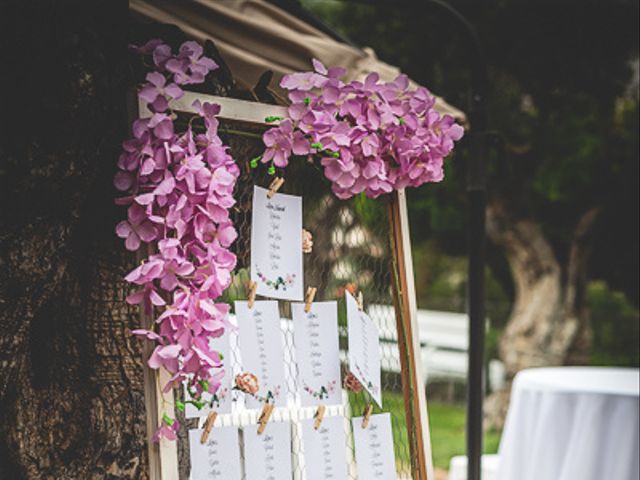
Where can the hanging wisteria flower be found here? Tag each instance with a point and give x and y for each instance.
(370, 136)
(168, 429)
(178, 190)
(189, 66)
(157, 93)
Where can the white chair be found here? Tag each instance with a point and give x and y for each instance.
(444, 345)
(458, 467)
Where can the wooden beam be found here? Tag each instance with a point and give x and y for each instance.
(408, 341)
(230, 108)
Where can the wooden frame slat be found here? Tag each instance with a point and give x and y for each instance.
(406, 309)
(163, 456)
(230, 108)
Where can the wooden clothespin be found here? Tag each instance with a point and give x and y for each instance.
(253, 287)
(208, 426)
(308, 299)
(366, 416)
(264, 417)
(360, 300)
(318, 416)
(275, 186)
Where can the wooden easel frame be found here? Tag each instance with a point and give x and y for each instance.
(163, 457)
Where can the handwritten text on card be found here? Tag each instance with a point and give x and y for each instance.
(315, 335)
(276, 245)
(261, 351)
(364, 349)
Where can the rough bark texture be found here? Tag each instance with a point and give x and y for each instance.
(71, 383)
(549, 323)
(71, 375)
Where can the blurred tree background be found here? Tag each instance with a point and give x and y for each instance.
(562, 280)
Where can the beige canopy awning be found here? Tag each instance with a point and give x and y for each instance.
(254, 36)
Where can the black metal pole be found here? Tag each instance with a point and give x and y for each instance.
(476, 294)
(477, 200)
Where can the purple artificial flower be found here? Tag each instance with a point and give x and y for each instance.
(381, 136)
(190, 66)
(165, 356)
(162, 126)
(278, 143)
(167, 430)
(161, 54)
(148, 334)
(157, 93)
(207, 231)
(302, 81)
(179, 188)
(148, 47)
(136, 228)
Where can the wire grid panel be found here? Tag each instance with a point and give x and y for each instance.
(350, 251)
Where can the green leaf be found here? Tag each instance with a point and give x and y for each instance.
(254, 161)
(317, 146)
(273, 118)
(307, 101)
(167, 419)
(180, 405)
(272, 170)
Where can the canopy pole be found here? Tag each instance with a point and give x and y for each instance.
(477, 200)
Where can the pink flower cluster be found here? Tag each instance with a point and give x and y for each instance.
(179, 189)
(370, 136)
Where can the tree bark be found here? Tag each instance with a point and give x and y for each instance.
(549, 323)
(71, 381)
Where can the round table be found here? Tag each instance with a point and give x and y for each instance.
(572, 423)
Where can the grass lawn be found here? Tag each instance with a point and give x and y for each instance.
(448, 433)
(447, 426)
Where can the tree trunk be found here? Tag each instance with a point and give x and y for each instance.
(549, 323)
(71, 383)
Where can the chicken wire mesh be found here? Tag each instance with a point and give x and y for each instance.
(351, 250)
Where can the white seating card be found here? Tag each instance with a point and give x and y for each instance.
(364, 349)
(261, 351)
(317, 353)
(276, 245)
(218, 458)
(374, 448)
(325, 449)
(222, 401)
(268, 456)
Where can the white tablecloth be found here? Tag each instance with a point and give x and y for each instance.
(573, 423)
